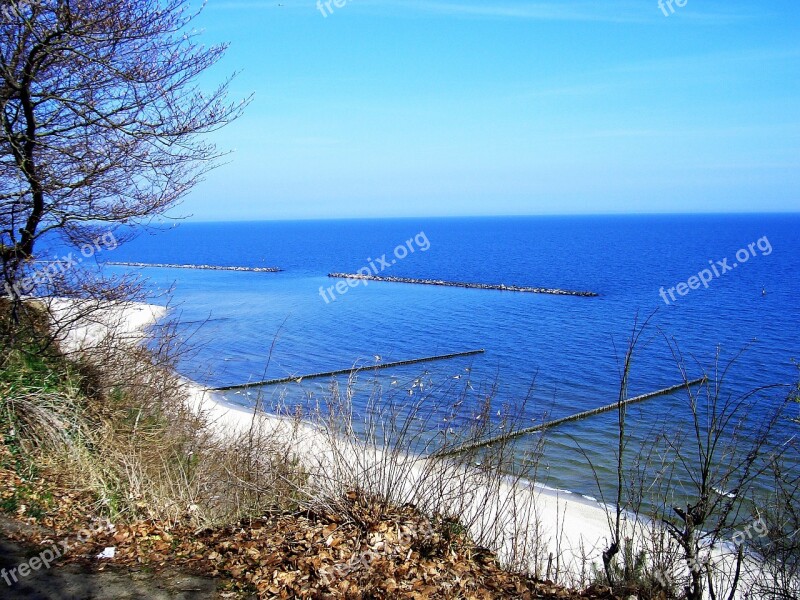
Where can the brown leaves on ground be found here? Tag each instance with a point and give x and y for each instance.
(384, 552)
(400, 555)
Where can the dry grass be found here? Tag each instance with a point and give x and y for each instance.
(142, 454)
(397, 452)
(116, 427)
(116, 422)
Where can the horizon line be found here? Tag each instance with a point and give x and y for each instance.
(190, 219)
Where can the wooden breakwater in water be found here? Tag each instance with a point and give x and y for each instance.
(576, 417)
(472, 286)
(299, 378)
(200, 267)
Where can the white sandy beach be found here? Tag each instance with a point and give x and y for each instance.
(562, 528)
(570, 527)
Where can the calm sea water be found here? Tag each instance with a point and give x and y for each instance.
(561, 353)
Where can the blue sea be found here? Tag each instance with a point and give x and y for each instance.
(558, 354)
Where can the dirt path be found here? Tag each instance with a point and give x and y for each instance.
(84, 582)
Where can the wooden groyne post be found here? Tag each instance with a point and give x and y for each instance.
(472, 286)
(571, 418)
(298, 378)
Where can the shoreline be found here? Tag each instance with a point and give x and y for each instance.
(568, 529)
(570, 525)
(579, 520)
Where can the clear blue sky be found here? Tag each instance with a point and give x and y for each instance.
(416, 107)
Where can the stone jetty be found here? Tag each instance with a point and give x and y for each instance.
(200, 267)
(473, 286)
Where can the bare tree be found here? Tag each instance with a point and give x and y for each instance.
(720, 461)
(624, 374)
(102, 122)
(695, 489)
(779, 546)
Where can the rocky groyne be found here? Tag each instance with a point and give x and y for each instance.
(473, 286)
(199, 267)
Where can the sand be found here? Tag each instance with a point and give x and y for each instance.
(526, 524)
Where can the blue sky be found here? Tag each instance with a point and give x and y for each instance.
(416, 108)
